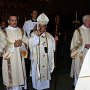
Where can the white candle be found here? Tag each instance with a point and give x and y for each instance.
(18, 18)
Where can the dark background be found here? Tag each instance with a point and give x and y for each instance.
(66, 8)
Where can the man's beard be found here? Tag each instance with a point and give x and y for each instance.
(15, 26)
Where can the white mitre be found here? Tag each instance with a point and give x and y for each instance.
(42, 19)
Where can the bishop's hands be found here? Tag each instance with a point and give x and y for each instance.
(41, 28)
(36, 30)
(18, 43)
(39, 31)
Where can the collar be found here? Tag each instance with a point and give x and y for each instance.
(10, 27)
(83, 27)
(33, 20)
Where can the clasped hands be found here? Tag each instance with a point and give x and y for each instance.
(18, 43)
(87, 46)
(38, 33)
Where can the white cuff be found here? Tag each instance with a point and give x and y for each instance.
(12, 49)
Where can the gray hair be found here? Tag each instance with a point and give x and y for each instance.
(85, 17)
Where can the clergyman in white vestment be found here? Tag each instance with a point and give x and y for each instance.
(13, 45)
(30, 24)
(42, 48)
(79, 44)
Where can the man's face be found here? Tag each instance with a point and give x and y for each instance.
(34, 14)
(13, 21)
(87, 23)
(57, 19)
(3, 25)
(42, 28)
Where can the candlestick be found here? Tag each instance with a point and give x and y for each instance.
(76, 14)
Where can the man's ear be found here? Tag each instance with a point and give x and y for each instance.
(31, 14)
(8, 21)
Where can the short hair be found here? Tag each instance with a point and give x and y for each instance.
(2, 21)
(85, 17)
(34, 10)
(11, 15)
